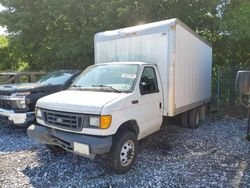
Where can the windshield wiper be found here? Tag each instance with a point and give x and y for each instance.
(108, 87)
(76, 86)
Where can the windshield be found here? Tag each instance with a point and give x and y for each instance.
(55, 78)
(114, 78)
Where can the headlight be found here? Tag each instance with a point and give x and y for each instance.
(38, 113)
(19, 100)
(20, 104)
(94, 121)
(102, 122)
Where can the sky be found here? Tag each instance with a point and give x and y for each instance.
(2, 30)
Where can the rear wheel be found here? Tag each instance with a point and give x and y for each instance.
(185, 119)
(123, 152)
(194, 118)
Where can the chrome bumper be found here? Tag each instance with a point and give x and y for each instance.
(18, 118)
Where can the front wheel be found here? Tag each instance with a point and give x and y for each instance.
(123, 152)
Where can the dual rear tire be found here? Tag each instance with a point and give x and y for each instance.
(191, 119)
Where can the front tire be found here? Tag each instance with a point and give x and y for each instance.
(123, 152)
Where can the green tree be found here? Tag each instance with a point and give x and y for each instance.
(4, 53)
(51, 34)
(58, 34)
(233, 46)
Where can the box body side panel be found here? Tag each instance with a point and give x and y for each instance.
(193, 67)
(184, 60)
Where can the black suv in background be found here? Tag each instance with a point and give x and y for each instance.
(20, 77)
(17, 101)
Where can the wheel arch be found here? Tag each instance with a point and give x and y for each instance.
(129, 125)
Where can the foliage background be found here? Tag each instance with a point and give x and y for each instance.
(48, 35)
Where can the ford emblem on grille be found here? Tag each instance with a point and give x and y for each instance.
(59, 120)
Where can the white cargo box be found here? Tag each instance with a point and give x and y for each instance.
(184, 59)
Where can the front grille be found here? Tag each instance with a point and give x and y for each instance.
(6, 104)
(5, 93)
(65, 120)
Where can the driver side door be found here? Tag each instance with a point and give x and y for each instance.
(150, 103)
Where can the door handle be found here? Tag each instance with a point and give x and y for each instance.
(160, 105)
(135, 102)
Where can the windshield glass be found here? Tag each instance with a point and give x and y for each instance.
(55, 78)
(4, 78)
(114, 78)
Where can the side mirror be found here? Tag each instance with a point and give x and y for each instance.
(147, 85)
(144, 87)
(242, 85)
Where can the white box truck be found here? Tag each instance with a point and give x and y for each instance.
(141, 74)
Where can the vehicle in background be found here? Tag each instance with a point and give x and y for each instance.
(141, 74)
(20, 77)
(17, 101)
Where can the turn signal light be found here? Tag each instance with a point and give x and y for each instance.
(105, 121)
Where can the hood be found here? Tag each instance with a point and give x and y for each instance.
(79, 101)
(27, 87)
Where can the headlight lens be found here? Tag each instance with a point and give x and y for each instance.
(38, 113)
(19, 100)
(20, 104)
(94, 121)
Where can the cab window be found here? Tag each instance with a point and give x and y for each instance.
(23, 79)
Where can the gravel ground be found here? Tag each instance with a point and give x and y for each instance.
(215, 155)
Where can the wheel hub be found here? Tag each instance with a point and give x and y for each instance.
(127, 153)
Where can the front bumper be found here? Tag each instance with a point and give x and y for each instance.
(75, 143)
(21, 119)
